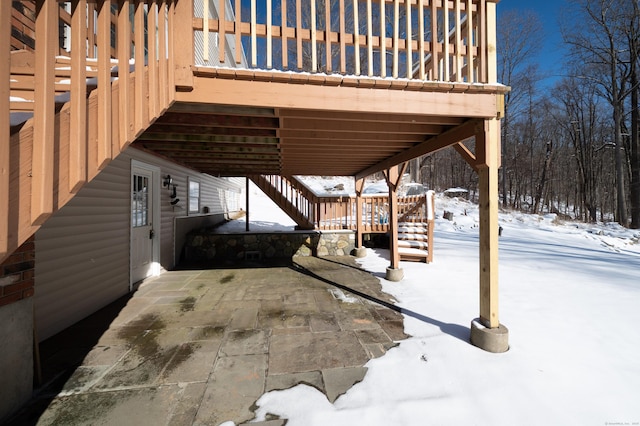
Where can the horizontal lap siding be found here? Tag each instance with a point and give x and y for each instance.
(82, 252)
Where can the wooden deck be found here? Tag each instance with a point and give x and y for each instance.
(403, 78)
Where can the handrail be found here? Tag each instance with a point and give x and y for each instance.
(339, 212)
(374, 38)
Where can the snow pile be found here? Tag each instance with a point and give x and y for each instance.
(569, 294)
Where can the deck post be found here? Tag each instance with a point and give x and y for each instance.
(360, 250)
(486, 331)
(393, 176)
(247, 203)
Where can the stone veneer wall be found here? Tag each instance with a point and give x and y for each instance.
(206, 245)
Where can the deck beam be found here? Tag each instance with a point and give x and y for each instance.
(273, 94)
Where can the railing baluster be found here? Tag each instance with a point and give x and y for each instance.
(327, 34)
(5, 121)
(482, 42)
(205, 30)
(434, 41)
(445, 39)
(409, 39)
(283, 33)
(299, 33)
(104, 84)
(458, 58)
(254, 49)
(356, 36)
(222, 36)
(314, 47)
(78, 117)
(491, 60)
(140, 87)
(91, 30)
(396, 37)
(44, 112)
(343, 41)
(124, 54)
(421, 50)
(469, 42)
(152, 55)
(163, 62)
(369, 40)
(383, 41)
(238, 32)
(269, 36)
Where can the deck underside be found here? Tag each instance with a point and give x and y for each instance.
(258, 123)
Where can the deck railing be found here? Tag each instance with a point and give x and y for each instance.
(450, 40)
(116, 73)
(339, 212)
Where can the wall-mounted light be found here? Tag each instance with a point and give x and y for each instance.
(174, 192)
(168, 180)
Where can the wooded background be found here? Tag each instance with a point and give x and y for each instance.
(571, 147)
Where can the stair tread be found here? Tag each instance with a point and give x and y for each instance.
(406, 230)
(413, 244)
(413, 237)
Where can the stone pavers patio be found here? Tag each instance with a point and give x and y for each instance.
(201, 346)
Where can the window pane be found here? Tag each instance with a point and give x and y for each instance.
(194, 197)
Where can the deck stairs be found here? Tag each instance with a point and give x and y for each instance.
(289, 197)
(415, 235)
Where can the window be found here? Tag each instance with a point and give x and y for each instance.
(140, 201)
(194, 196)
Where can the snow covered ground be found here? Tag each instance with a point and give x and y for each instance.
(570, 296)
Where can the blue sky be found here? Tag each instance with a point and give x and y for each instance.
(548, 11)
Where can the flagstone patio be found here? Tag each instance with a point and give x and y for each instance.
(199, 347)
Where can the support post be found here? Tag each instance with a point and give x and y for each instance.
(393, 176)
(247, 203)
(360, 250)
(486, 331)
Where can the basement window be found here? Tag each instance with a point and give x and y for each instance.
(194, 196)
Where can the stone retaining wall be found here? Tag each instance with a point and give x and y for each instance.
(207, 245)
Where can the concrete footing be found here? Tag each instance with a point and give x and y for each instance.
(360, 252)
(394, 274)
(494, 340)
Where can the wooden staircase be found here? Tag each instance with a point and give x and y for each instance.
(415, 238)
(67, 117)
(289, 197)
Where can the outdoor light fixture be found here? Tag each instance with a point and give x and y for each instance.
(168, 180)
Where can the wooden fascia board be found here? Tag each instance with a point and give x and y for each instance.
(436, 143)
(272, 94)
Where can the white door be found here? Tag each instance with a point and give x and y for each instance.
(142, 230)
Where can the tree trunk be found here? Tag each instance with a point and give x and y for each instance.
(634, 185)
(543, 178)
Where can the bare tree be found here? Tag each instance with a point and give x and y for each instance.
(519, 40)
(598, 40)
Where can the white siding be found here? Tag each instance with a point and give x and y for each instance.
(82, 251)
